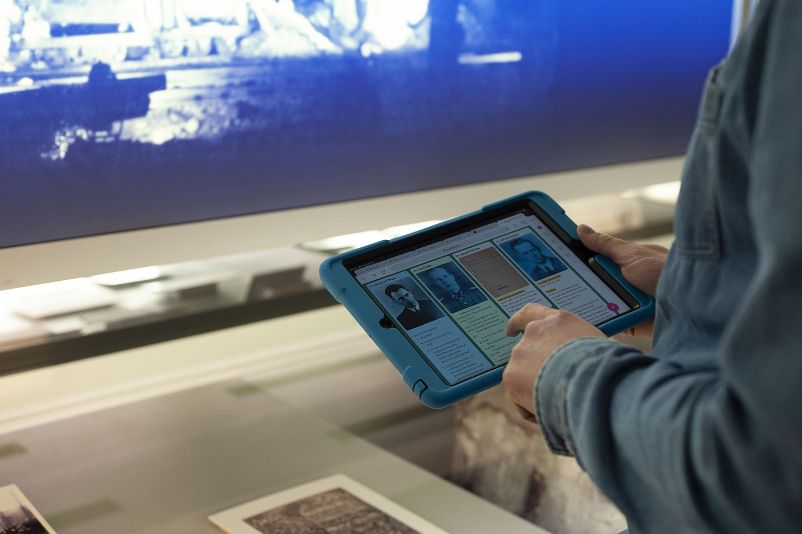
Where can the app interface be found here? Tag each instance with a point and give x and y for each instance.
(453, 298)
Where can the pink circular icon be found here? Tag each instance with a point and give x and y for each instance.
(613, 307)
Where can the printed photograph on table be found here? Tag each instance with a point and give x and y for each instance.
(452, 287)
(17, 514)
(334, 504)
(533, 257)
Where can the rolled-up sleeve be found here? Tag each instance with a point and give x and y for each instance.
(714, 450)
(625, 416)
(567, 369)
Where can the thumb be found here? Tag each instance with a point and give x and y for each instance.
(616, 249)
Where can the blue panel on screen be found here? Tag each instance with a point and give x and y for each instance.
(117, 115)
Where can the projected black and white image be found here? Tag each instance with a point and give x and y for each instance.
(153, 112)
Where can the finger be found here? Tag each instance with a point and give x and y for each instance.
(614, 248)
(640, 330)
(526, 414)
(656, 248)
(524, 316)
(643, 329)
(644, 273)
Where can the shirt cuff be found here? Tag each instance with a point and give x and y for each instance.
(552, 390)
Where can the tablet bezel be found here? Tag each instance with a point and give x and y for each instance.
(418, 373)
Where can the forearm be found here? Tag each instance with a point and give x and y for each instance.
(590, 402)
(670, 447)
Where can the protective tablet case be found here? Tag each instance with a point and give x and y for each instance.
(416, 372)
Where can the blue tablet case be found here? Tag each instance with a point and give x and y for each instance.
(416, 372)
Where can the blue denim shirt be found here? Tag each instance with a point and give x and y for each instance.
(705, 435)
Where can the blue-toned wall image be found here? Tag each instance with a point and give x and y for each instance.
(135, 113)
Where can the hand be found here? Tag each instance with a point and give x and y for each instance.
(545, 330)
(641, 265)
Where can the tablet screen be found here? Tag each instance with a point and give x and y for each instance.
(452, 296)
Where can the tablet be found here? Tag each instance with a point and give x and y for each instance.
(437, 302)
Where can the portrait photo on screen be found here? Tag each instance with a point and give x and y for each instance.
(408, 302)
(452, 287)
(533, 257)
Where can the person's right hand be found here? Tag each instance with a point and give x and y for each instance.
(641, 265)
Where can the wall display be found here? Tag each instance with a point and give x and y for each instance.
(135, 114)
(329, 505)
(18, 515)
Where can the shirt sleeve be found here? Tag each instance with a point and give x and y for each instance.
(720, 448)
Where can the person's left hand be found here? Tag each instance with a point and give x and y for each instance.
(545, 330)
